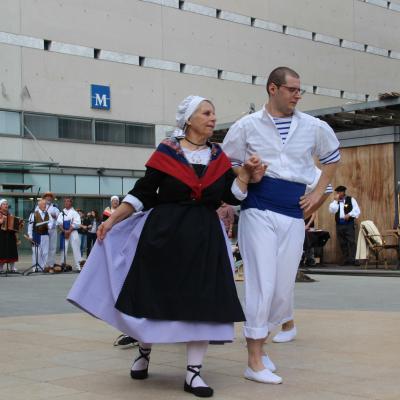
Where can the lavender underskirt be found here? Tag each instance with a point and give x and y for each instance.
(97, 288)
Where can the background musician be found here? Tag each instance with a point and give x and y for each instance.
(8, 240)
(38, 232)
(53, 212)
(69, 222)
(346, 211)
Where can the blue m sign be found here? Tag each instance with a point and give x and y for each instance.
(101, 97)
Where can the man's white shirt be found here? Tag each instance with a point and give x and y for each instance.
(52, 210)
(293, 160)
(335, 206)
(70, 215)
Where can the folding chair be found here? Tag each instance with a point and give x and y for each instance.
(377, 243)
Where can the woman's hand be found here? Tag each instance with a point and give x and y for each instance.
(123, 211)
(103, 229)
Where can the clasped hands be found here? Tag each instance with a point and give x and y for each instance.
(253, 169)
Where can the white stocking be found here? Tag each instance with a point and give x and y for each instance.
(142, 363)
(195, 355)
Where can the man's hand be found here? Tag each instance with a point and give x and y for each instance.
(310, 202)
(347, 217)
(336, 196)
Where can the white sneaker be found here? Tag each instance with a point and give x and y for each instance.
(268, 363)
(285, 336)
(264, 376)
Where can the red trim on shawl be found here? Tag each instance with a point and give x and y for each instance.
(215, 169)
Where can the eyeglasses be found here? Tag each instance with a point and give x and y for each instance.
(293, 90)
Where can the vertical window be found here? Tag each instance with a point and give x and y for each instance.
(41, 126)
(110, 132)
(140, 134)
(76, 129)
(10, 123)
(128, 184)
(39, 181)
(87, 184)
(63, 184)
(11, 177)
(110, 185)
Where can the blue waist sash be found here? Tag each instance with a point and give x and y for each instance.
(342, 221)
(275, 195)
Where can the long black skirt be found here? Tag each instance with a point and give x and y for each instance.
(181, 270)
(8, 247)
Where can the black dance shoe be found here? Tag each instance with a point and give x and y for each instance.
(125, 341)
(199, 391)
(142, 373)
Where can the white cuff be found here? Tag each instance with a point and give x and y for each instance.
(134, 202)
(237, 192)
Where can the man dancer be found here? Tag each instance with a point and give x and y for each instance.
(53, 212)
(289, 330)
(271, 226)
(69, 222)
(38, 233)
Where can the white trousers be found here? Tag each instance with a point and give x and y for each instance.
(76, 248)
(43, 250)
(271, 245)
(51, 258)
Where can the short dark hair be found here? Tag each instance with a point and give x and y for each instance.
(278, 76)
(341, 189)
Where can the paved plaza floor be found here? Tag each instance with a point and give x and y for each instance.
(348, 347)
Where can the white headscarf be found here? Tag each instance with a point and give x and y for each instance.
(114, 198)
(3, 201)
(185, 110)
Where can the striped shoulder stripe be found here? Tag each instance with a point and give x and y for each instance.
(330, 158)
(329, 189)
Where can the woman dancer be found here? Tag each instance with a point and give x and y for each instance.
(165, 275)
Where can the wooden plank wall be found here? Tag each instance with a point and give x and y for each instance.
(368, 173)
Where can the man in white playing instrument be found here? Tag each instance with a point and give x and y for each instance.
(38, 232)
(69, 222)
(53, 212)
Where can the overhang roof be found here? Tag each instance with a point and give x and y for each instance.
(13, 165)
(348, 117)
